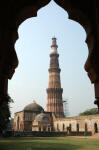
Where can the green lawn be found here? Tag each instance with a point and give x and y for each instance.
(49, 143)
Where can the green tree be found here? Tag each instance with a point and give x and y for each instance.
(10, 124)
(92, 111)
(5, 114)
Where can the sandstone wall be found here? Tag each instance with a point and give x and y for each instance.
(83, 123)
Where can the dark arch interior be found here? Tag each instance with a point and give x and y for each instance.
(95, 128)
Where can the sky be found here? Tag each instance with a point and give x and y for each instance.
(33, 48)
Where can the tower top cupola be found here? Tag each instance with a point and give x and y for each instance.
(54, 46)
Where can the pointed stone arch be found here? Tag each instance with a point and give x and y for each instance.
(84, 12)
(86, 127)
(95, 128)
(77, 127)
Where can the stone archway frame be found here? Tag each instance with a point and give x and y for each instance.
(84, 12)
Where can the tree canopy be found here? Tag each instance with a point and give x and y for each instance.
(92, 111)
(5, 114)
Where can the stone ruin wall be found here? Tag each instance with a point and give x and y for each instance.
(21, 118)
(81, 120)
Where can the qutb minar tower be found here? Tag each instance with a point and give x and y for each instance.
(54, 90)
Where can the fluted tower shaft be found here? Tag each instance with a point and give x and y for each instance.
(54, 90)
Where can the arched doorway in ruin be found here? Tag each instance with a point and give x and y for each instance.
(18, 123)
(95, 128)
(63, 127)
(77, 127)
(86, 127)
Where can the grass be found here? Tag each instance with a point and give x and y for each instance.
(49, 143)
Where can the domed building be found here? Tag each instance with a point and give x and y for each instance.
(23, 119)
(33, 117)
(33, 107)
(42, 122)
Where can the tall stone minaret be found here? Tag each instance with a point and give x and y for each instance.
(54, 90)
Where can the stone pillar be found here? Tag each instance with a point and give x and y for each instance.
(92, 64)
(8, 61)
(3, 90)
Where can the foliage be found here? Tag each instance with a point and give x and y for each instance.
(5, 114)
(92, 111)
(10, 124)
